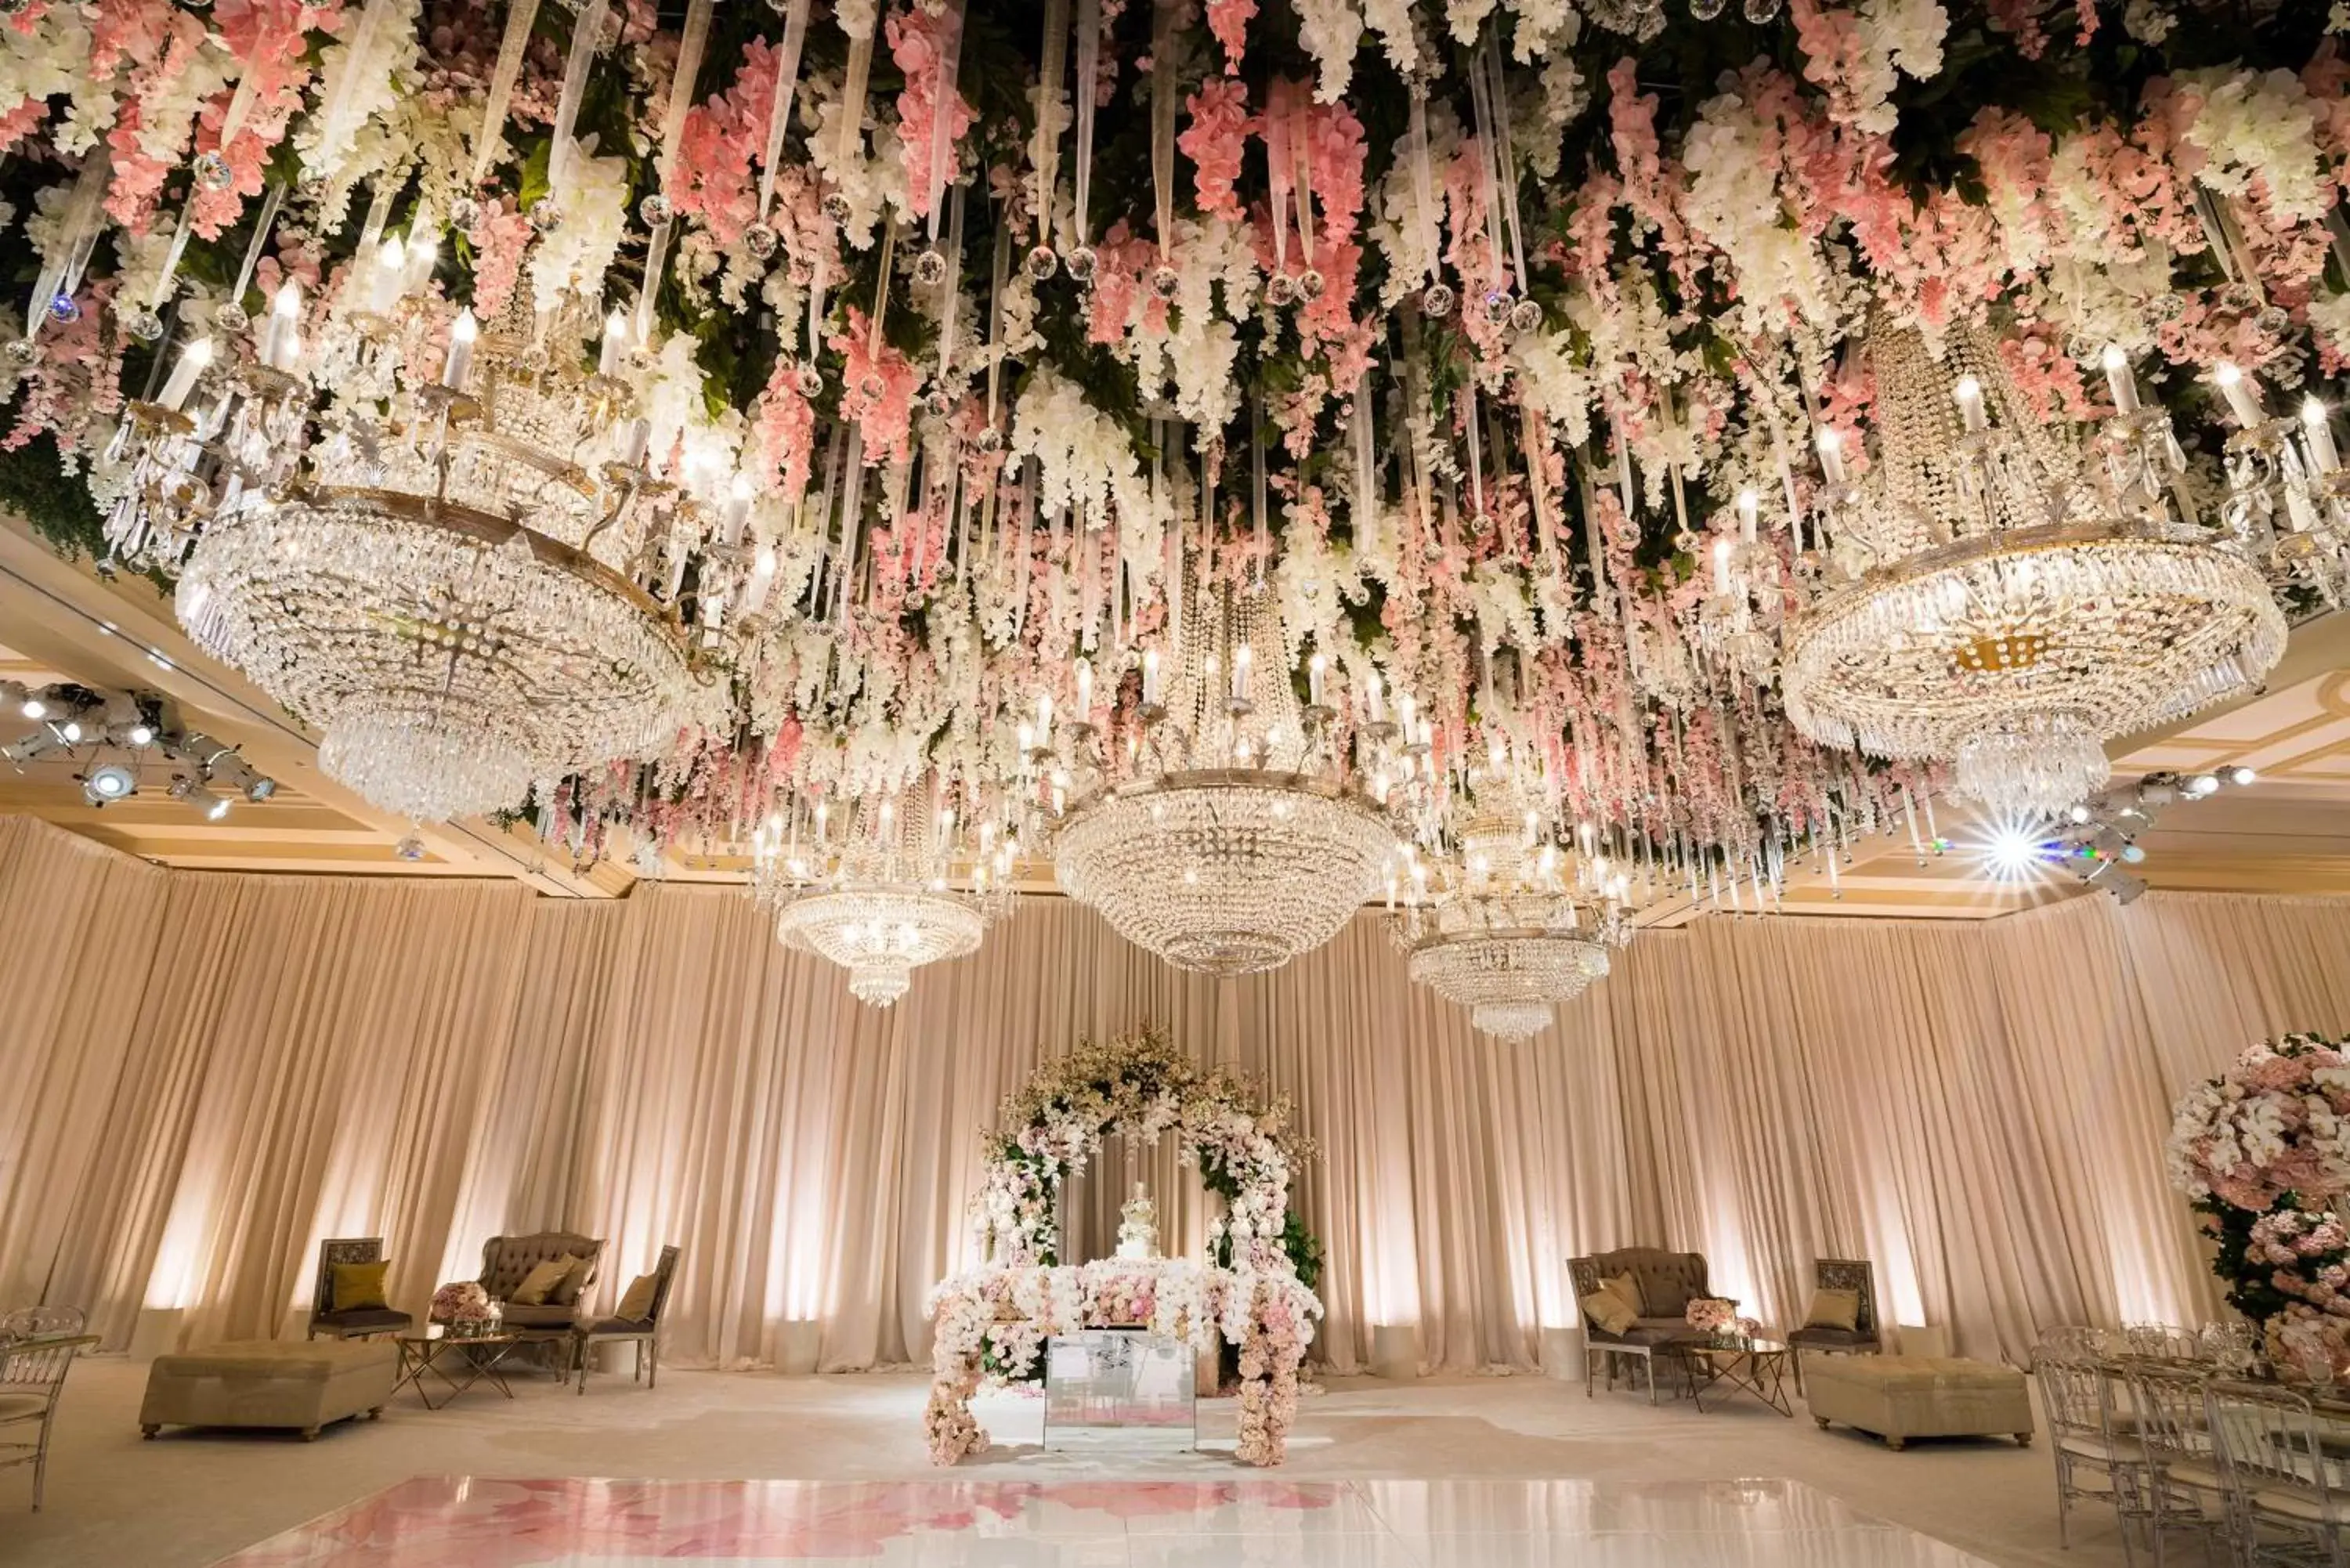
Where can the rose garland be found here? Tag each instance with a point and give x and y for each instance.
(2263, 1151)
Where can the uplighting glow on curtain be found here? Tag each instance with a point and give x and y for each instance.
(207, 1072)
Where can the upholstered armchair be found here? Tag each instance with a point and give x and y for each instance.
(506, 1262)
(338, 1322)
(1667, 1282)
(626, 1325)
(1859, 1276)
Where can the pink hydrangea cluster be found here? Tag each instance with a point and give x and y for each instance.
(719, 148)
(2272, 1125)
(877, 390)
(1214, 142)
(1711, 1314)
(915, 43)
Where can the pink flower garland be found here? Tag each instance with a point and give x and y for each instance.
(877, 391)
(1228, 20)
(1214, 142)
(913, 37)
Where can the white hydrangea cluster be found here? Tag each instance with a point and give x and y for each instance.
(1733, 201)
(595, 202)
(2260, 126)
(1085, 463)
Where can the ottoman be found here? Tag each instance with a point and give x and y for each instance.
(1903, 1397)
(298, 1384)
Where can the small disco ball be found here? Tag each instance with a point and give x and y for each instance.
(1525, 316)
(23, 351)
(212, 171)
(1310, 285)
(991, 440)
(930, 268)
(464, 213)
(1706, 10)
(1762, 13)
(655, 210)
(939, 401)
(230, 319)
(64, 310)
(1043, 264)
(760, 241)
(1498, 306)
(144, 324)
(546, 217)
(836, 207)
(1281, 289)
(1080, 263)
(1166, 282)
(811, 380)
(1436, 301)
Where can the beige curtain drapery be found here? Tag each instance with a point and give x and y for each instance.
(202, 1074)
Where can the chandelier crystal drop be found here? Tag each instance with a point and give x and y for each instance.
(873, 889)
(2008, 603)
(1238, 842)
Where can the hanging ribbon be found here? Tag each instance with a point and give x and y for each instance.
(77, 236)
(1423, 183)
(851, 145)
(489, 143)
(1497, 95)
(271, 200)
(1162, 120)
(1088, 71)
(335, 111)
(788, 80)
(950, 43)
(587, 35)
(690, 46)
(1046, 155)
(953, 295)
(1279, 168)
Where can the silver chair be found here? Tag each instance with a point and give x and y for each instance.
(2279, 1462)
(644, 1332)
(37, 1347)
(2185, 1489)
(2098, 1458)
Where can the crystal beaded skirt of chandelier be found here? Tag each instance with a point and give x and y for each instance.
(449, 594)
(874, 892)
(2007, 605)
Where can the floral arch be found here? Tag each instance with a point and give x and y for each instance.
(1253, 1291)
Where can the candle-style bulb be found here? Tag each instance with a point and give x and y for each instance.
(616, 345)
(2118, 380)
(1970, 395)
(1084, 691)
(1830, 450)
(1750, 507)
(193, 361)
(2318, 427)
(454, 368)
(2243, 397)
(1150, 677)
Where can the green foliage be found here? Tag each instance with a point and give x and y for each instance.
(34, 484)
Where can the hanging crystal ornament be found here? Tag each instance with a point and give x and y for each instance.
(1044, 155)
(990, 435)
(759, 236)
(2002, 604)
(229, 317)
(1081, 259)
(850, 148)
(944, 384)
(1493, 160)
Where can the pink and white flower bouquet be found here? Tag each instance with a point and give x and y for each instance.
(464, 1306)
(1711, 1314)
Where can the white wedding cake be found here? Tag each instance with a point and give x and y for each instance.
(1138, 1230)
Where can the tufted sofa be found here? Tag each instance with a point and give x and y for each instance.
(507, 1260)
(1668, 1283)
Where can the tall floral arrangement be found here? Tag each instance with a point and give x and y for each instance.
(2262, 1152)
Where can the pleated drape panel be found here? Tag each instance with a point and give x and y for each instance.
(205, 1074)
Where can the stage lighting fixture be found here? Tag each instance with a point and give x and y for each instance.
(2014, 850)
(109, 782)
(2241, 775)
(141, 734)
(187, 789)
(2202, 785)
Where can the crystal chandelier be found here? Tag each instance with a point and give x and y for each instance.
(469, 582)
(1496, 917)
(874, 892)
(2007, 603)
(1237, 841)
(2288, 498)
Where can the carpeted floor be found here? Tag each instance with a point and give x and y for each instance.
(189, 1499)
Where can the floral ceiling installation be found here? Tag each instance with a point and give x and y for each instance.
(882, 399)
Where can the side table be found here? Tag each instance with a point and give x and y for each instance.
(422, 1353)
(1754, 1366)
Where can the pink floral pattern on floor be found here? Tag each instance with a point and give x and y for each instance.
(463, 1522)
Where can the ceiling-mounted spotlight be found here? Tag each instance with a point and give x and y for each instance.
(224, 766)
(71, 731)
(187, 789)
(2202, 785)
(142, 733)
(2241, 775)
(109, 782)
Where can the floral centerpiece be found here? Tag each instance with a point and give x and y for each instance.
(2262, 1152)
(465, 1307)
(1254, 1293)
(1719, 1319)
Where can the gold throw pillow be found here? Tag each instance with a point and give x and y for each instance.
(1627, 1289)
(535, 1285)
(575, 1280)
(1834, 1309)
(357, 1285)
(637, 1302)
(1608, 1312)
